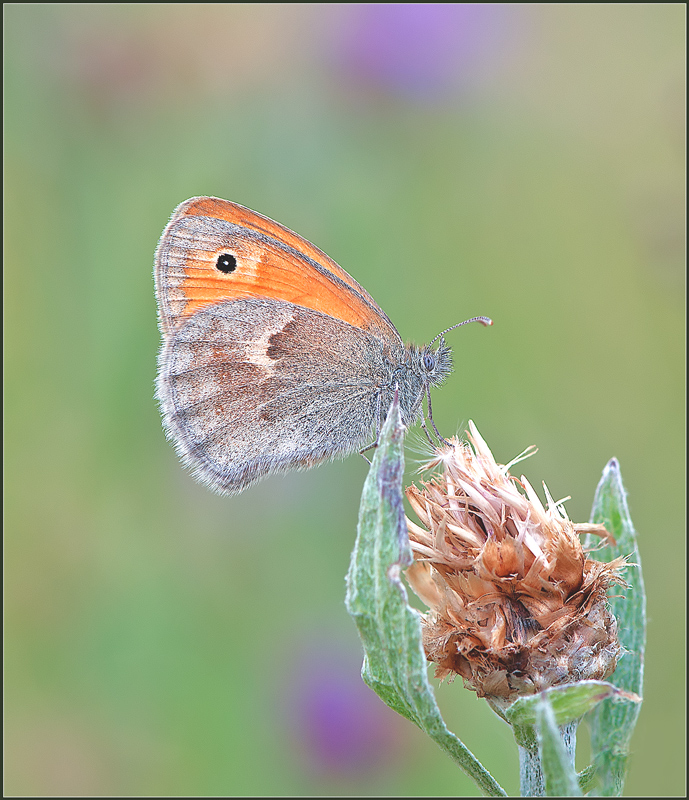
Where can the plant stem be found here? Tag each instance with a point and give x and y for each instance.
(531, 777)
(531, 780)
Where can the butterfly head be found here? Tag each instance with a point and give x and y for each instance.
(435, 364)
(422, 368)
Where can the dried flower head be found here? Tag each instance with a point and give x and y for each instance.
(515, 603)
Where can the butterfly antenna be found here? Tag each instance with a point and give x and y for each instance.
(483, 320)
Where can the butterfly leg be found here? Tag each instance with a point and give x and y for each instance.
(425, 430)
(364, 449)
(430, 417)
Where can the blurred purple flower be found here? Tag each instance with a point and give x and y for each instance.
(337, 722)
(422, 50)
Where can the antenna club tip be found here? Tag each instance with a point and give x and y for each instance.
(483, 320)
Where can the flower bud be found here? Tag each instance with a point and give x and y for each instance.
(515, 603)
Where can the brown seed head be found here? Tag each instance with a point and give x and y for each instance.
(515, 604)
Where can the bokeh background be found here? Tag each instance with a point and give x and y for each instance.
(520, 161)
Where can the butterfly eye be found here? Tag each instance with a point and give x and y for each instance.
(226, 263)
(428, 362)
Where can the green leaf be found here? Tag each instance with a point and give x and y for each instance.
(557, 764)
(568, 702)
(395, 665)
(587, 778)
(612, 724)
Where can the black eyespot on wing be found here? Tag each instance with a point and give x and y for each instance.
(226, 263)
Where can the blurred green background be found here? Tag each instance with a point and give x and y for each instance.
(524, 162)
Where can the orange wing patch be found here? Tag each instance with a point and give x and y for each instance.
(201, 262)
(251, 220)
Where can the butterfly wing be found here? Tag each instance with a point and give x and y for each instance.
(257, 386)
(212, 251)
(273, 364)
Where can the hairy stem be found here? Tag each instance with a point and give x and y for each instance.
(531, 777)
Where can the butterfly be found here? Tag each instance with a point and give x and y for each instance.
(273, 357)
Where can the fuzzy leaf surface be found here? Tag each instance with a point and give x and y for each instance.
(569, 702)
(612, 724)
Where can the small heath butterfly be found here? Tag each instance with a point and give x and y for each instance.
(273, 357)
